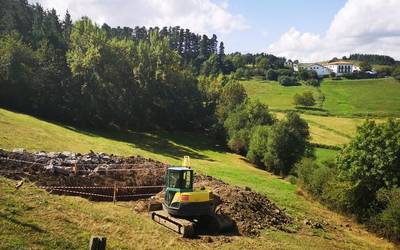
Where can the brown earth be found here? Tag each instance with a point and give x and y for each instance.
(251, 211)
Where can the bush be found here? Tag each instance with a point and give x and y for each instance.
(258, 144)
(287, 81)
(287, 144)
(284, 72)
(384, 71)
(239, 73)
(241, 122)
(314, 178)
(387, 222)
(313, 82)
(239, 141)
(272, 75)
(305, 99)
(372, 158)
(396, 73)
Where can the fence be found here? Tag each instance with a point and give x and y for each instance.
(113, 193)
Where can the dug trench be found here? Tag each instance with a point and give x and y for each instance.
(103, 177)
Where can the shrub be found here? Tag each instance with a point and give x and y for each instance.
(373, 156)
(258, 144)
(287, 81)
(284, 72)
(387, 222)
(239, 73)
(241, 122)
(287, 144)
(239, 140)
(396, 73)
(272, 75)
(305, 99)
(314, 177)
(313, 82)
(233, 94)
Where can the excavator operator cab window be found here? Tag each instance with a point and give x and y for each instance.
(181, 179)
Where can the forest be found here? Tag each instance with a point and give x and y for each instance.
(100, 76)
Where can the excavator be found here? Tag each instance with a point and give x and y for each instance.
(186, 208)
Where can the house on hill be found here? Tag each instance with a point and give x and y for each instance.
(342, 67)
(338, 67)
(320, 69)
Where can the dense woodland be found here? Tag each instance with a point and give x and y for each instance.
(81, 73)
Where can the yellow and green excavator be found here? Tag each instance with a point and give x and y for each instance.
(185, 208)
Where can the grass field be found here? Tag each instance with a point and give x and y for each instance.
(30, 218)
(273, 94)
(362, 97)
(347, 101)
(376, 97)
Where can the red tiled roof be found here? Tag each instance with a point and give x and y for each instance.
(340, 62)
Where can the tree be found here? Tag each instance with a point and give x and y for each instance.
(67, 26)
(396, 73)
(313, 82)
(239, 73)
(258, 144)
(233, 94)
(365, 66)
(240, 123)
(287, 144)
(305, 99)
(262, 63)
(287, 81)
(370, 162)
(272, 75)
(17, 73)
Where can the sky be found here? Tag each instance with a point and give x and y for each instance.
(307, 30)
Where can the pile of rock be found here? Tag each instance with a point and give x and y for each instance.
(80, 170)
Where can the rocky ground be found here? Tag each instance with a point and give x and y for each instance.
(251, 211)
(84, 174)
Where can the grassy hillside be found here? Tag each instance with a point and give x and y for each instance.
(378, 97)
(273, 94)
(31, 218)
(374, 96)
(345, 100)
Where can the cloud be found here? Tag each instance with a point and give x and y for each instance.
(202, 16)
(361, 26)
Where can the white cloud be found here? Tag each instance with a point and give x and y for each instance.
(361, 26)
(202, 16)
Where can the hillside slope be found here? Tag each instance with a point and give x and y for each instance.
(31, 218)
(377, 97)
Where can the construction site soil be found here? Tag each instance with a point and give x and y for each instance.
(104, 177)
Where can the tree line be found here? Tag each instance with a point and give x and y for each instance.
(373, 59)
(363, 180)
(101, 76)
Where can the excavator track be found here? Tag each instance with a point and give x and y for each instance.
(178, 225)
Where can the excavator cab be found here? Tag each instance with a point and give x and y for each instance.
(178, 180)
(181, 199)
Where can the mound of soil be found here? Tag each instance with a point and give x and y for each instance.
(66, 169)
(250, 210)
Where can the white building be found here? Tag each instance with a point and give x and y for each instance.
(342, 67)
(320, 69)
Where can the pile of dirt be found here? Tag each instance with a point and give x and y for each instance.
(66, 169)
(250, 210)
